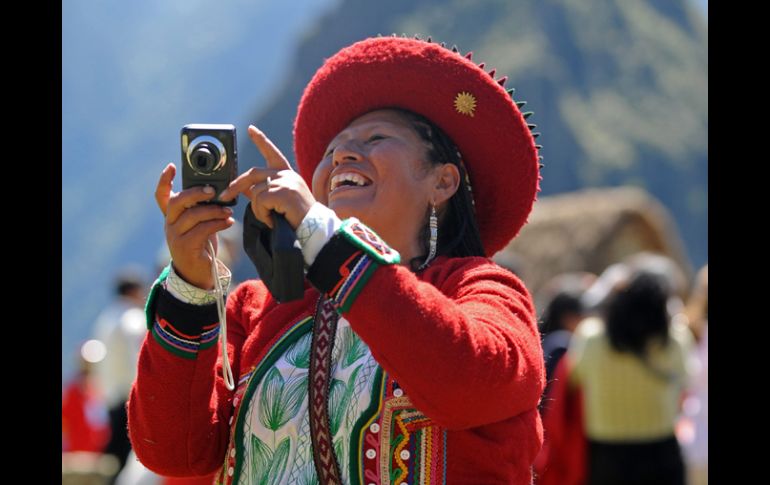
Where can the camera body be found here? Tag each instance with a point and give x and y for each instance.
(209, 157)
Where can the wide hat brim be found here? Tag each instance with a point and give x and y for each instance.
(472, 108)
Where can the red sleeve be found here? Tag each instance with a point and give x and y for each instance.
(179, 408)
(463, 344)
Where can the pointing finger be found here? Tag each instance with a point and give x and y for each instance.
(272, 154)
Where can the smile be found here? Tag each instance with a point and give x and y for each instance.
(348, 179)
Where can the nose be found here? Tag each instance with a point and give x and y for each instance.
(348, 151)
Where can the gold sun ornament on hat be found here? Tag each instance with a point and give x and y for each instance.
(465, 103)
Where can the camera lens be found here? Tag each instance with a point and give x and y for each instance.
(206, 155)
(203, 158)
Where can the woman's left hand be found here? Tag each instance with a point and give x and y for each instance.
(274, 188)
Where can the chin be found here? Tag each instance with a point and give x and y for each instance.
(345, 209)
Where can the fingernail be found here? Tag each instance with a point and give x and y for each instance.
(208, 189)
(228, 211)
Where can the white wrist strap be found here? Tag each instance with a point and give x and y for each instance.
(227, 372)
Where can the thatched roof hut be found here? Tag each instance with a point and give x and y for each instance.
(590, 230)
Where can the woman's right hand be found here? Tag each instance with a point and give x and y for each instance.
(189, 227)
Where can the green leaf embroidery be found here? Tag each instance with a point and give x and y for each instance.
(268, 467)
(336, 394)
(279, 401)
(261, 457)
(339, 399)
(352, 413)
(299, 354)
(270, 399)
(294, 395)
(278, 466)
(308, 476)
(340, 451)
(352, 347)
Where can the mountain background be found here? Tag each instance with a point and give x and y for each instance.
(619, 90)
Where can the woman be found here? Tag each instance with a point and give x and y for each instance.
(412, 358)
(632, 367)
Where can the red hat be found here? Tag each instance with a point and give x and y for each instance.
(465, 101)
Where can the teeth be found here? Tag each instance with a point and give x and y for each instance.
(338, 179)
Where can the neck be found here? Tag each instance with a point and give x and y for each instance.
(408, 254)
(408, 247)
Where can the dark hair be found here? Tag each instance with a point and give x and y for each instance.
(458, 233)
(637, 313)
(564, 303)
(127, 281)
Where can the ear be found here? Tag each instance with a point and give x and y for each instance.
(447, 181)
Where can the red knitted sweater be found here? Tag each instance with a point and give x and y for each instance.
(460, 339)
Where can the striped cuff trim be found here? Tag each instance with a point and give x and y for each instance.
(181, 344)
(347, 261)
(354, 283)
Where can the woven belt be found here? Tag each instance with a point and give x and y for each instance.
(324, 330)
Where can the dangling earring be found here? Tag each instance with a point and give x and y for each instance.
(433, 224)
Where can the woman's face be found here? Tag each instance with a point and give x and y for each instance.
(376, 169)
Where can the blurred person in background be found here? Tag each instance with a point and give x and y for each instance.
(696, 405)
(85, 423)
(560, 461)
(121, 328)
(563, 310)
(632, 366)
(562, 300)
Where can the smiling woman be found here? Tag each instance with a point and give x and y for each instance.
(391, 179)
(411, 358)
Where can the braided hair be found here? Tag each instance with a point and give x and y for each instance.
(458, 234)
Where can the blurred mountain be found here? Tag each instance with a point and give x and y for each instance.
(133, 73)
(703, 5)
(619, 89)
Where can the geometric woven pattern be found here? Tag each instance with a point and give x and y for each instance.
(192, 294)
(367, 240)
(325, 327)
(307, 227)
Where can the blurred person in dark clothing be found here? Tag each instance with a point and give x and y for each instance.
(563, 311)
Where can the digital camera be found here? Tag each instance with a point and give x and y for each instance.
(209, 157)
